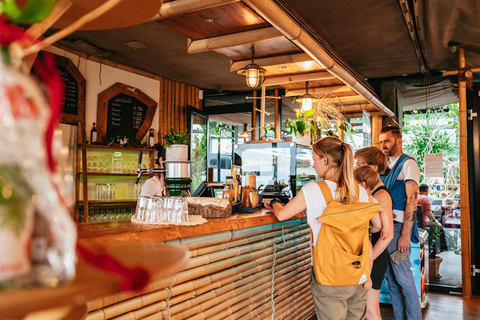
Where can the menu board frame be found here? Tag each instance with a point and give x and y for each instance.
(68, 65)
(111, 92)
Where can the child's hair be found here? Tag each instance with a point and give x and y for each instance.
(366, 175)
(340, 159)
(373, 156)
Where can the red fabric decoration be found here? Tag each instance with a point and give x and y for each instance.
(134, 279)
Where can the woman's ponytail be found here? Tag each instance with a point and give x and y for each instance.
(340, 157)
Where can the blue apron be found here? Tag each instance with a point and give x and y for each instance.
(397, 190)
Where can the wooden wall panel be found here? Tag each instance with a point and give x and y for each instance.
(174, 99)
(240, 274)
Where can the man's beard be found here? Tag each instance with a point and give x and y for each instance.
(392, 151)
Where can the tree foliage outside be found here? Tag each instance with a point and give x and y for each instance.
(199, 156)
(434, 131)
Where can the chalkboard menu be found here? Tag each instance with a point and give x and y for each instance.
(123, 110)
(74, 88)
(125, 114)
(70, 98)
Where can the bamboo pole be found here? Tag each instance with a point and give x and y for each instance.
(262, 114)
(183, 109)
(376, 128)
(198, 101)
(254, 117)
(177, 107)
(464, 193)
(277, 123)
(319, 91)
(231, 40)
(341, 133)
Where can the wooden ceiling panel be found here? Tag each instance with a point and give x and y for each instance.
(230, 18)
(264, 48)
(292, 68)
(313, 84)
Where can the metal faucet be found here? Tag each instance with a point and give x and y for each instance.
(141, 171)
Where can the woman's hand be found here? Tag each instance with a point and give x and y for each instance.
(266, 203)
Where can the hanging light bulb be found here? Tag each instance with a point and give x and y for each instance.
(245, 134)
(252, 72)
(306, 99)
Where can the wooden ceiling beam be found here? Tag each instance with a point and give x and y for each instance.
(272, 61)
(319, 91)
(179, 7)
(273, 81)
(349, 108)
(360, 114)
(231, 40)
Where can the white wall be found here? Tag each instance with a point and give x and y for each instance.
(100, 77)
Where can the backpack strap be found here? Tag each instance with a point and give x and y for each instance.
(327, 194)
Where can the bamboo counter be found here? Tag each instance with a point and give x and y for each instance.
(247, 266)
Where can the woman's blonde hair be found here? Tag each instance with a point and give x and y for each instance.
(340, 159)
(367, 175)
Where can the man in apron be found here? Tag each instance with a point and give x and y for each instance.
(402, 182)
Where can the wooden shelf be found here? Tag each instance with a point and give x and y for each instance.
(117, 147)
(115, 201)
(107, 174)
(90, 283)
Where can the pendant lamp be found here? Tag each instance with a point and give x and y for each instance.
(245, 132)
(252, 72)
(306, 99)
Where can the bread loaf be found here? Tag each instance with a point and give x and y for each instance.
(209, 207)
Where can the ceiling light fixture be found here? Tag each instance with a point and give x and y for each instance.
(252, 71)
(306, 99)
(209, 20)
(245, 134)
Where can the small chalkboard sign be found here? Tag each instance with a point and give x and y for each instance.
(70, 98)
(124, 109)
(73, 110)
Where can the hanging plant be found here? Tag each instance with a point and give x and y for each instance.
(316, 120)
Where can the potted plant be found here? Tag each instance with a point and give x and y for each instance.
(436, 241)
(176, 145)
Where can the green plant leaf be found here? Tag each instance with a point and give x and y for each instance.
(310, 112)
(301, 127)
(11, 9)
(35, 11)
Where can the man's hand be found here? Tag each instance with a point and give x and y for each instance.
(403, 243)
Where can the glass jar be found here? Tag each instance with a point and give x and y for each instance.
(117, 162)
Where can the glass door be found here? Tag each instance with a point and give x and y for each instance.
(198, 128)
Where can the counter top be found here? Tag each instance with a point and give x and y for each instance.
(125, 230)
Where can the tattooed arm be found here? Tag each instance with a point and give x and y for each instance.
(411, 189)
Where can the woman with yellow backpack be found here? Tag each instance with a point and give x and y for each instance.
(338, 212)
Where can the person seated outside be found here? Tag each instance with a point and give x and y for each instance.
(448, 212)
(428, 218)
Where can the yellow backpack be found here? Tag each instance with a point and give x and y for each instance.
(341, 256)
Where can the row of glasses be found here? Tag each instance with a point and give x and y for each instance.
(105, 191)
(98, 164)
(137, 190)
(162, 209)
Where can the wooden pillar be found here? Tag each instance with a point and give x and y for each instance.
(277, 123)
(340, 132)
(254, 116)
(262, 114)
(376, 122)
(464, 197)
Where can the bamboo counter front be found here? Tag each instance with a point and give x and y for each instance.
(247, 266)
